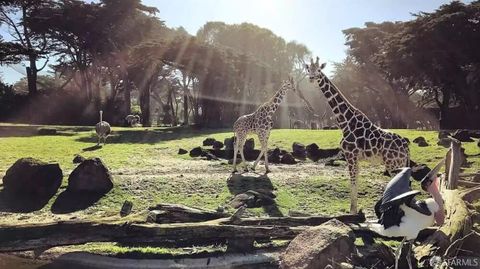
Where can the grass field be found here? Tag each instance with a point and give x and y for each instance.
(147, 170)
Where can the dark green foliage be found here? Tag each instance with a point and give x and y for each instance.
(434, 56)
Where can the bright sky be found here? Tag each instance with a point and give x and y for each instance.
(315, 23)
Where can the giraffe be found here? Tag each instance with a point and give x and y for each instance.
(260, 123)
(361, 138)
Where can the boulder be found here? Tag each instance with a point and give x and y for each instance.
(229, 143)
(287, 159)
(196, 152)
(419, 171)
(445, 142)
(419, 140)
(219, 153)
(314, 153)
(217, 145)
(423, 144)
(209, 156)
(251, 155)
(182, 151)
(47, 131)
(33, 177)
(462, 136)
(249, 144)
(274, 156)
(90, 176)
(78, 158)
(443, 134)
(319, 247)
(298, 147)
(209, 141)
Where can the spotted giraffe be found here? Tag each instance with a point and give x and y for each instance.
(361, 138)
(260, 123)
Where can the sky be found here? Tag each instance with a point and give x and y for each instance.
(316, 23)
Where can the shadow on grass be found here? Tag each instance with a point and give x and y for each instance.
(68, 201)
(33, 130)
(240, 183)
(92, 148)
(150, 136)
(22, 203)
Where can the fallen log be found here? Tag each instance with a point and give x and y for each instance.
(295, 221)
(29, 237)
(173, 213)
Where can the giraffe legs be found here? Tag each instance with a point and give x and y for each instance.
(258, 159)
(264, 141)
(235, 150)
(352, 162)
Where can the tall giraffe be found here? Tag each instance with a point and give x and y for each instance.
(259, 122)
(361, 138)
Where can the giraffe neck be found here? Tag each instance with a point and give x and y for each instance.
(341, 107)
(276, 100)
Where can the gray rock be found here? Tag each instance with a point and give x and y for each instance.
(209, 141)
(217, 145)
(90, 176)
(287, 159)
(34, 177)
(228, 142)
(78, 158)
(196, 152)
(274, 156)
(249, 144)
(318, 246)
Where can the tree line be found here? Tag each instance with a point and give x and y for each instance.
(118, 56)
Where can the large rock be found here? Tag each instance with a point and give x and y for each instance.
(196, 152)
(463, 136)
(319, 247)
(229, 143)
(33, 177)
(217, 145)
(90, 176)
(314, 153)
(249, 144)
(420, 141)
(445, 142)
(443, 134)
(419, 171)
(287, 158)
(209, 141)
(299, 151)
(274, 156)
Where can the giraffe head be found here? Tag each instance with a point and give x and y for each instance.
(314, 70)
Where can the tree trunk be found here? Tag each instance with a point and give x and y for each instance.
(32, 76)
(127, 96)
(185, 106)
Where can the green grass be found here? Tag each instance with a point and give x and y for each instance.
(147, 169)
